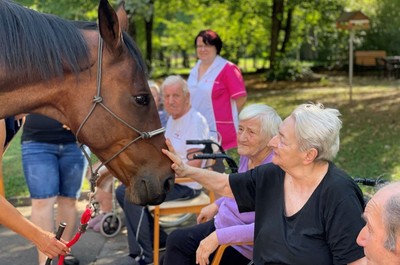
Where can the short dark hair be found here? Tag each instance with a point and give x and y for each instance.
(210, 37)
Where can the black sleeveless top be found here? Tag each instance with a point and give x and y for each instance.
(40, 128)
(12, 127)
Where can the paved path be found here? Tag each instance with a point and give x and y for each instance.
(92, 249)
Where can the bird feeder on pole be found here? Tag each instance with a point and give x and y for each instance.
(352, 21)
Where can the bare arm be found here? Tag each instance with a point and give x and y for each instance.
(240, 102)
(14, 220)
(45, 241)
(211, 180)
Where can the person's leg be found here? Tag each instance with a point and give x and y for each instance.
(232, 256)
(67, 212)
(181, 192)
(137, 223)
(140, 223)
(42, 215)
(120, 195)
(72, 168)
(183, 243)
(41, 173)
(105, 200)
(140, 232)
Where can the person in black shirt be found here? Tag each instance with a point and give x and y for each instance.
(307, 210)
(54, 167)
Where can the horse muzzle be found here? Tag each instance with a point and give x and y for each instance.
(147, 191)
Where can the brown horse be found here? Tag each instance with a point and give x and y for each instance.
(91, 78)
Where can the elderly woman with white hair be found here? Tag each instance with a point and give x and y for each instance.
(307, 210)
(221, 222)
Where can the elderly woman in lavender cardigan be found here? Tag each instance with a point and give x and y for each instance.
(221, 222)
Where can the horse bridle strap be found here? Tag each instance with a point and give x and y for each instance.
(98, 100)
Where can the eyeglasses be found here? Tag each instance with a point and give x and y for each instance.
(206, 46)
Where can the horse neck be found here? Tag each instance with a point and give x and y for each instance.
(25, 96)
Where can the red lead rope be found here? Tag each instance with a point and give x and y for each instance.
(82, 229)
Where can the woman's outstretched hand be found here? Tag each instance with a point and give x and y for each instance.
(50, 246)
(177, 165)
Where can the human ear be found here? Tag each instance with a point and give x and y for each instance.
(311, 155)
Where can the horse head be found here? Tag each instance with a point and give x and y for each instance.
(92, 78)
(122, 126)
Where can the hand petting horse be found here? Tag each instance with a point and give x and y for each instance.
(91, 78)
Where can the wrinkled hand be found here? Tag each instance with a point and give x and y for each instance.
(207, 213)
(50, 246)
(177, 164)
(207, 246)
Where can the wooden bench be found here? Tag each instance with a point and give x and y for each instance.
(368, 58)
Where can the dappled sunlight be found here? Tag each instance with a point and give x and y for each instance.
(370, 142)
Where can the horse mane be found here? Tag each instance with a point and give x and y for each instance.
(36, 45)
(128, 41)
(135, 52)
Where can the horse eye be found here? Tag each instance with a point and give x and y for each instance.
(142, 100)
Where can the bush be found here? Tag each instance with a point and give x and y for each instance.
(290, 70)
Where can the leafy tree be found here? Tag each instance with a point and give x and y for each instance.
(142, 14)
(69, 9)
(279, 30)
(384, 31)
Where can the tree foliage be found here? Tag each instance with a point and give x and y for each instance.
(295, 30)
(384, 31)
(69, 9)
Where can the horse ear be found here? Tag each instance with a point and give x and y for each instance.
(109, 26)
(122, 16)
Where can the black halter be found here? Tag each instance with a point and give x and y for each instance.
(98, 100)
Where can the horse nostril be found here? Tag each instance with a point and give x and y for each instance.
(168, 183)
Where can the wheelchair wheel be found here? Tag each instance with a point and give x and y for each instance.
(172, 220)
(111, 224)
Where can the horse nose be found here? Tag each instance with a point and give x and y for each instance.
(147, 191)
(168, 183)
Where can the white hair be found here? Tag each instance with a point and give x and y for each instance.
(268, 117)
(318, 127)
(176, 79)
(391, 216)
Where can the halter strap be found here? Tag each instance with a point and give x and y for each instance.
(98, 100)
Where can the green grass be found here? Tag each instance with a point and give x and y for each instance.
(14, 181)
(370, 142)
(370, 137)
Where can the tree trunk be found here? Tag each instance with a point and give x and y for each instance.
(132, 29)
(277, 17)
(149, 35)
(185, 59)
(288, 29)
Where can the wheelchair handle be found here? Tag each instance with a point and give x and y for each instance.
(369, 182)
(206, 141)
(231, 163)
(208, 145)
